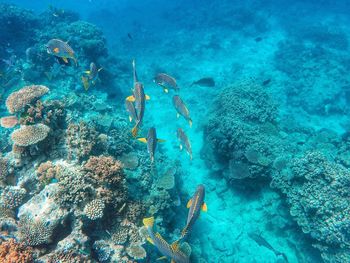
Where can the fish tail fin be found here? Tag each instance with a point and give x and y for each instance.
(148, 221)
(135, 130)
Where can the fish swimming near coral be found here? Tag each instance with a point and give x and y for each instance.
(130, 107)
(166, 82)
(184, 141)
(181, 109)
(196, 204)
(139, 97)
(263, 242)
(168, 251)
(93, 73)
(151, 141)
(205, 82)
(61, 49)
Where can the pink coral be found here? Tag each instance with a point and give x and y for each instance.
(9, 121)
(19, 99)
(29, 135)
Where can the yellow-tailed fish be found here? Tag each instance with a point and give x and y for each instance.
(168, 251)
(166, 82)
(196, 204)
(61, 49)
(184, 141)
(139, 97)
(93, 73)
(130, 107)
(151, 141)
(85, 82)
(181, 109)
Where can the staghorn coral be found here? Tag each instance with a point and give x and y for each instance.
(34, 232)
(12, 196)
(29, 135)
(317, 192)
(94, 210)
(81, 140)
(19, 99)
(12, 251)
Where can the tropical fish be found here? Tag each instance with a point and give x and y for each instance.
(166, 82)
(130, 107)
(206, 82)
(93, 73)
(184, 141)
(61, 49)
(85, 82)
(196, 204)
(181, 109)
(168, 251)
(263, 242)
(139, 97)
(151, 141)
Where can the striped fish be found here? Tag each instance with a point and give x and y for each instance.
(61, 49)
(196, 204)
(166, 82)
(151, 141)
(181, 109)
(184, 141)
(130, 107)
(139, 97)
(168, 251)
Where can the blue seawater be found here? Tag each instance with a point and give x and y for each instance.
(267, 87)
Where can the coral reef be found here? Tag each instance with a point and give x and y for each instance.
(316, 190)
(29, 135)
(12, 251)
(12, 197)
(241, 132)
(19, 99)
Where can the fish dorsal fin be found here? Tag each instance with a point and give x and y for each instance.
(189, 203)
(147, 97)
(204, 207)
(175, 246)
(162, 239)
(161, 258)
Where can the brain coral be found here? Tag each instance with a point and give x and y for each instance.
(29, 135)
(19, 99)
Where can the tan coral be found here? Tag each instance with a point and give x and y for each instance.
(8, 122)
(29, 135)
(19, 99)
(94, 209)
(11, 251)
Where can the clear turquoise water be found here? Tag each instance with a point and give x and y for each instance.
(300, 46)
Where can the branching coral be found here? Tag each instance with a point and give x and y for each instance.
(47, 172)
(29, 135)
(13, 252)
(19, 99)
(81, 140)
(12, 196)
(94, 210)
(35, 232)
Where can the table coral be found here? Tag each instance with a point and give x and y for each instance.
(19, 99)
(12, 251)
(29, 135)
